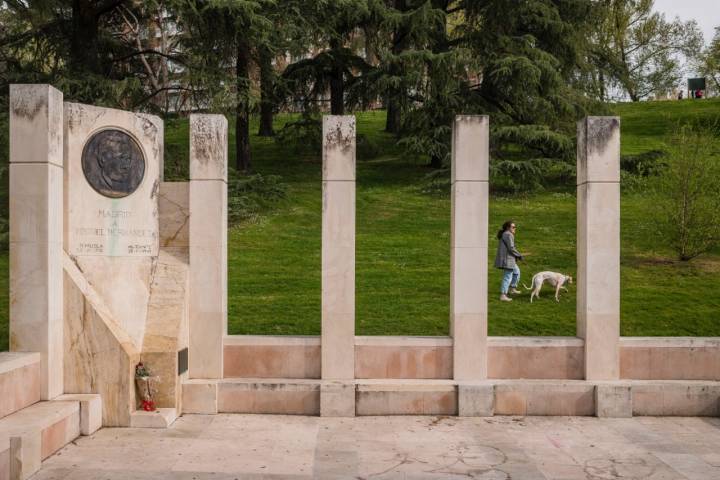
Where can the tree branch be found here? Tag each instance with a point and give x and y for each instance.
(107, 6)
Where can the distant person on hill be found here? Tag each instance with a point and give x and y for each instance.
(506, 259)
(699, 93)
(692, 93)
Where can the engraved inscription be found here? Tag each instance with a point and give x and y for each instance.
(113, 163)
(103, 239)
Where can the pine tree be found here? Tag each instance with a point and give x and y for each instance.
(335, 67)
(222, 36)
(515, 61)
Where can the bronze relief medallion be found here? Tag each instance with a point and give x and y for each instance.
(113, 163)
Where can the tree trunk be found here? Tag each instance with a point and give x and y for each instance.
(84, 38)
(394, 94)
(435, 161)
(242, 111)
(393, 120)
(267, 104)
(337, 84)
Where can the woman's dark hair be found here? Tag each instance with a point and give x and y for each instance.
(505, 228)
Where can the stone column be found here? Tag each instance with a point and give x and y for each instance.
(598, 245)
(338, 266)
(208, 245)
(469, 246)
(36, 229)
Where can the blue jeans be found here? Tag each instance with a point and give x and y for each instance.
(511, 277)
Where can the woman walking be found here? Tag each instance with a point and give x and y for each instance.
(506, 258)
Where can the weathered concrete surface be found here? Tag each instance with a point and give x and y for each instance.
(225, 447)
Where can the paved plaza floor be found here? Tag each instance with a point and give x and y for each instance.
(227, 447)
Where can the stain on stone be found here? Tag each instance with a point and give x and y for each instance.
(339, 138)
(599, 131)
(208, 141)
(77, 114)
(155, 189)
(27, 105)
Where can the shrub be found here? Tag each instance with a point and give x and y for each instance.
(686, 202)
(251, 195)
(644, 164)
(367, 149)
(514, 176)
(303, 135)
(437, 182)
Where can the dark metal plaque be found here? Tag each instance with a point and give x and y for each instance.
(113, 163)
(182, 361)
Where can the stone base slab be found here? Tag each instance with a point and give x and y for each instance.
(476, 399)
(160, 418)
(448, 397)
(337, 399)
(200, 397)
(673, 398)
(613, 400)
(541, 397)
(270, 396)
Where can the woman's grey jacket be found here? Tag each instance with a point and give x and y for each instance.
(507, 255)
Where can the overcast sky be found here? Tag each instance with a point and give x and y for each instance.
(706, 12)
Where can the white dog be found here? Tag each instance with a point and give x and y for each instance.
(557, 280)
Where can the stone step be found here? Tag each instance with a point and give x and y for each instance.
(544, 397)
(19, 381)
(406, 397)
(680, 398)
(622, 398)
(31, 435)
(160, 418)
(284, 396)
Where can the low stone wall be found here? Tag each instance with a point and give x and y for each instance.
(403, 357)
(546, 358)
(670, 358)
(559, 358)
(259, 356)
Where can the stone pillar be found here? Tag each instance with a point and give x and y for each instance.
(338, 264)
(36, 229)
(598, 245)
(469, 246)
(208, 245)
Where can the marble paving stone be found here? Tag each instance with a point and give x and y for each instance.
(265, 446)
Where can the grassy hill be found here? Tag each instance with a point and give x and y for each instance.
(403, 245)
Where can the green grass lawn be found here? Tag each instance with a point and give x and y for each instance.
(403, 246)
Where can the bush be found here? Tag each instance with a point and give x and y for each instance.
(251, 195)
(686, 202)
(367, 149)
(302, 136)
(514, 176)
(437, 182)
(645, 164)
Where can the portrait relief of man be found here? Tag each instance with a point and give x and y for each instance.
(113, 163)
